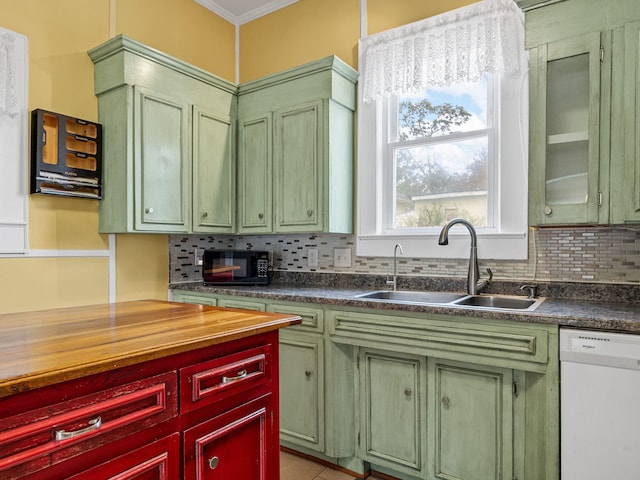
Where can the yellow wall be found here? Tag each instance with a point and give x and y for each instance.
(313, 29)
(383, 14)
(60, 73)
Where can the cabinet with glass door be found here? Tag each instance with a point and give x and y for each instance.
(568, 172)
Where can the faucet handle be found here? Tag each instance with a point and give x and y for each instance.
(490, 275)
(533, 290)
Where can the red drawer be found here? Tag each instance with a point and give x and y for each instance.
(158, 461)
(205, 383)
(52, 434)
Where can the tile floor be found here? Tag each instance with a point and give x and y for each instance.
(293, 467)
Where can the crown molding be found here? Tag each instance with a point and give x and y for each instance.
(265, 9)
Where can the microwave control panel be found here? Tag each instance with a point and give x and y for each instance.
(263, 267)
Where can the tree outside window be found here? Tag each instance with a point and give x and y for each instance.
(440, 154)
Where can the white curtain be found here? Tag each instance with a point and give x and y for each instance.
(8, 67)
(457, 46)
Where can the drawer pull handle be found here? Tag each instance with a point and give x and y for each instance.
(307, 373)
(407, 392)
(94, 424)
(445, 401)
(241, 374)
(213, 463)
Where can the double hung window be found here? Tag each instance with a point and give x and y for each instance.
(442, 134)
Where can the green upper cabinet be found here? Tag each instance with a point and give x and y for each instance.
(566, 161)
(214, 173)
(169, 158)
(161, 125)
(295, 150)
(625, 180)
(584, 165)
(255, 177)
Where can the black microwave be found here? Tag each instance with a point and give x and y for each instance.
(235, 267)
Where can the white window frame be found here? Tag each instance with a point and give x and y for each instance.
(14, 158)
(504, 239)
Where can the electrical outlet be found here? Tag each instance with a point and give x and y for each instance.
(341, 257)
(197, 257)
(312, 257)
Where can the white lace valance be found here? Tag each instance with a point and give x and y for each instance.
(8, 68)
(457, 46)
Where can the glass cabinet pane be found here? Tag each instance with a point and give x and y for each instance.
(567, 169)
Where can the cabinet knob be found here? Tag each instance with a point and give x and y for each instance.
(205, 214)
(213, 462)
(148, 210)
(445, 401)
(309, 213)
(547, 210)
(261, 216)
(307, 373)
(407, 392)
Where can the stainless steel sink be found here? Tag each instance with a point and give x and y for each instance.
(492, 302)
(413, 297)
(498, 302)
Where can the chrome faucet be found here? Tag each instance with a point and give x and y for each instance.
(473, 285)
(395, 266)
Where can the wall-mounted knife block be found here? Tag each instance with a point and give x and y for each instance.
(66, 155)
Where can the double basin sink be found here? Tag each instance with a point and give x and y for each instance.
(493, 302)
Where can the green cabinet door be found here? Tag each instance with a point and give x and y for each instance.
(214, 179)
(470, 421)
(393, 410)
(298, 153)
(302, 390)
(568, 165)
(161, 165)
(625, 168)
(255, 175)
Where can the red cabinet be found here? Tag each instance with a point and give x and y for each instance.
(206, 414)
(233, 445)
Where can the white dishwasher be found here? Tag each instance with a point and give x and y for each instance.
(599, 405)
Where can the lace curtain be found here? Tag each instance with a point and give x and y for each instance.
(8, 67)
(457, 46)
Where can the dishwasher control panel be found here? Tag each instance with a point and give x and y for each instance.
(602, 348)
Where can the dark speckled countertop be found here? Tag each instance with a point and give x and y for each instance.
(609, 307)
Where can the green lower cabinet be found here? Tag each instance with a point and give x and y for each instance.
(429, 418)
(471, 421)
(184, 297)
(393, 411)
(302, 390)
(234, 302)
(416, 396)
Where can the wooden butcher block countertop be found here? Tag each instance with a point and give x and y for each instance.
(45, 347)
